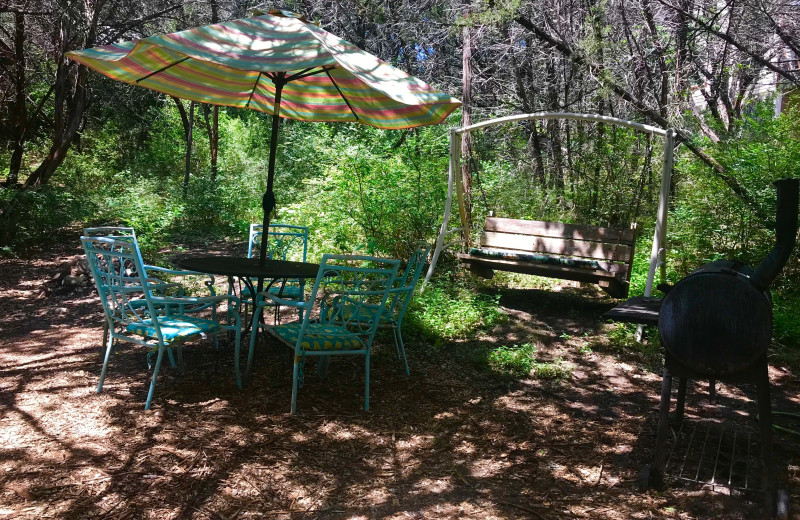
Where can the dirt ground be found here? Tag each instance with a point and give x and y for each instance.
(452, 440)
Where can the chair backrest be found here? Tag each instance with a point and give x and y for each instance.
(284, 242)
(405, 283)
(349, 287)
(109, 231)
(117, 268)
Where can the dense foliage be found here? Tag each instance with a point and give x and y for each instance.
(79, 149)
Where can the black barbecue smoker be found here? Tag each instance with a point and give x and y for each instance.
(716, 324)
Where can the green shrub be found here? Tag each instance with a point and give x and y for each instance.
(30, 218)
(451, 311)
(520, 360)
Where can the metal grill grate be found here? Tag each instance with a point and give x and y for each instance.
(727, 460)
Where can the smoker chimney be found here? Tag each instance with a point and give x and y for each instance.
(785, 234)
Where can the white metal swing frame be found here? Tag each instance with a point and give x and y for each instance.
(658, 251)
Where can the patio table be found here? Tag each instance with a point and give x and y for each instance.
(246, 269)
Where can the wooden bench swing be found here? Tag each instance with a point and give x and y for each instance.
(589, 254)
(598, 255)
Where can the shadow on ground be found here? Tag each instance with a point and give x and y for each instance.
(453, 440)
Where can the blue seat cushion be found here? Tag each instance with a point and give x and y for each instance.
(174, 327)
(290, 292)
(536, 258)
(318, 337)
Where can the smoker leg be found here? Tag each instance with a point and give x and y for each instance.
(712, 390)
(653, 476)
(679, 404)
(765, 420)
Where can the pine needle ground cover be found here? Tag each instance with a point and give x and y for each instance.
(469, 434)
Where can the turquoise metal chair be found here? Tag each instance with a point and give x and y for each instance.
(160, 322)
(345, 286)
(401, 295)
(284, 242)
(159, 284)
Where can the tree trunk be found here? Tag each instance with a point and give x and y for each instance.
(189, 134)
(466, 107)
(71, 99)
(579, 58)
(19, 115)
(212, 129)
(68, 115)
(554, 129)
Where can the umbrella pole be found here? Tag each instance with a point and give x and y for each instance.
(268, 201)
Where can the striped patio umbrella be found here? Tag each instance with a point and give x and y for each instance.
(278, 63)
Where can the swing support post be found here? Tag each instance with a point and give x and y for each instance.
(452, 178)
(658, 255)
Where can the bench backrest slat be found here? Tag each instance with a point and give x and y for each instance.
(556, 238)
(557, 246)
(559, 230)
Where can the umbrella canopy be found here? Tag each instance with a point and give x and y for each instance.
(278, 63)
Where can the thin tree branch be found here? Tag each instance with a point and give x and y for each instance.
(731, 40)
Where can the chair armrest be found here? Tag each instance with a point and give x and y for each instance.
(157, 285)
(208, 282)
(191, 300)
(280, 301)
(177, 272)
(190, 305)
(180, 272)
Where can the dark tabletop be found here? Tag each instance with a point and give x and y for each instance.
(640, 309)
(248, 267)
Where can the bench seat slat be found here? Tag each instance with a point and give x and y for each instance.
(578, 274)
(559, 230)
(557, 246)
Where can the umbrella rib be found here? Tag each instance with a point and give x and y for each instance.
(162, 69)
(341, 94)
(258, 79)
(309, 72)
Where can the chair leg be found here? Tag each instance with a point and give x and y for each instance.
(366, 381)
(236, 352)
(181, 365)
(157, 366)
(253, 334)
(103, 347)
(400, 347)
(323, 367)
(109, 346)
(171, 357)
(295, 377)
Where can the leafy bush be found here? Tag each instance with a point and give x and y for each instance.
(520, 360)
(450, 311)
(30, 218)
(372, 191)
